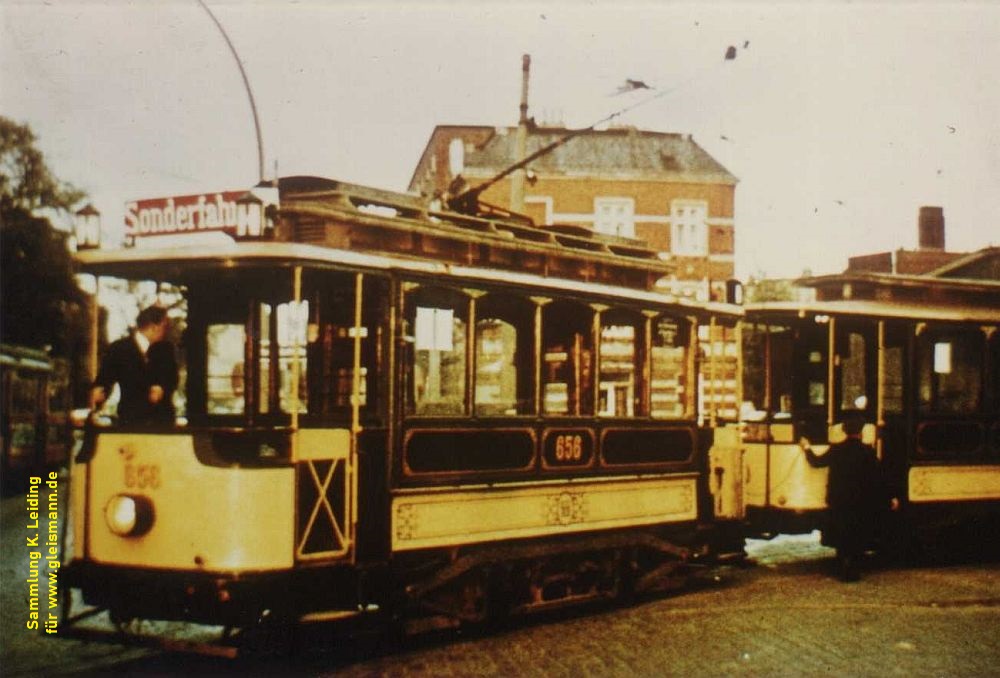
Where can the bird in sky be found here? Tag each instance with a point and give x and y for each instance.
(630, 85)
(730, 53)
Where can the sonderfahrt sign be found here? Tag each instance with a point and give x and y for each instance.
(183, 214)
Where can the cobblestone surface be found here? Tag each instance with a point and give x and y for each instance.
(783, 619)
(784, 616)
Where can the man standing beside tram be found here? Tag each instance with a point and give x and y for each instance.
(856, 496)
(144, 366)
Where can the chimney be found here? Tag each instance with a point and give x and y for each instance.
(930, 225)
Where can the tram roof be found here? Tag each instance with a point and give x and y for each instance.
(877, 309)
(175, 264)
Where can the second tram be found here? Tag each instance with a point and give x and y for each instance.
(35, 426)
(916, 357)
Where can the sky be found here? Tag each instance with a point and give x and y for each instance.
(839, 119)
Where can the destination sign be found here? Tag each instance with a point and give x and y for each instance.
(183, 214)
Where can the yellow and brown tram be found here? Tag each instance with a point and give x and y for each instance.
(917, 357)
(386, 407)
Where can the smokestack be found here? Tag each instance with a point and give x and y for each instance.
(930, 225)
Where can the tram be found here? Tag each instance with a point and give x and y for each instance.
(387, 407)
(916, 357)
(35, 428)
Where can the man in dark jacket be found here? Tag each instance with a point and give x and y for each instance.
(145, 368)
(855, 496)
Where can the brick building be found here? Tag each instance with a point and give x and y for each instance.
(661, 188)
(929, 256)
(928, 273)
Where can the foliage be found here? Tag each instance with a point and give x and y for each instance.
(41, 303)
(39, 293)
(25, 180)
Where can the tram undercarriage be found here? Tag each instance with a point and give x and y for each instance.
(416, 593)
(479, 584)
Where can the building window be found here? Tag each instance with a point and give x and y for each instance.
(615, 216)
(689, 228)
(456, 156)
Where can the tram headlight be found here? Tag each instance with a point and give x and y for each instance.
(129, 515)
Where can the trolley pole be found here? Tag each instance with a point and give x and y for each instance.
(521, 141)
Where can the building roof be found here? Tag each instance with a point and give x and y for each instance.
(930, 291)
(622, 152)
(981, 264)
(968, 312)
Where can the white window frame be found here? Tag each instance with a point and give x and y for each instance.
(623, 224)
(689, 228)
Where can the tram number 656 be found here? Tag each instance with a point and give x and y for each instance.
(569, 448)
(142, 476)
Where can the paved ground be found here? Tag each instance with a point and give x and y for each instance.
(784, 616)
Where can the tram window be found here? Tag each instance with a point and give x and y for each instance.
(949, 368)
(437, 330)
(754, 407)
(567, 349)
(719, 371)
(892, 387)
(58, 391)
(782, 351)
(330, 356)
(496, 374)
(264, 368)
(331, 337)
(853, 376)
(282, 340)
(617, 380)
(668, 382)
(504, 355)
(292, 327)
(24, 396)
(225, 369)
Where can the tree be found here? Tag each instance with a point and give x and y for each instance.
(25, 180)
(41, 303)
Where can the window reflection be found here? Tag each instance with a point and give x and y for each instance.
(950, 371)
(436, 330)
(225, 375)
(496, 374)
(567, 370)
(618, 370)
(668, 383)
(853, 375)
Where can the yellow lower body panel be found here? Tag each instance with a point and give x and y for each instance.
(455, 516)
(205, 518)
(954, 483)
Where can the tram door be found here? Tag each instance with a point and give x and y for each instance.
(855, 377)
(341, 471)
(803, 375)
